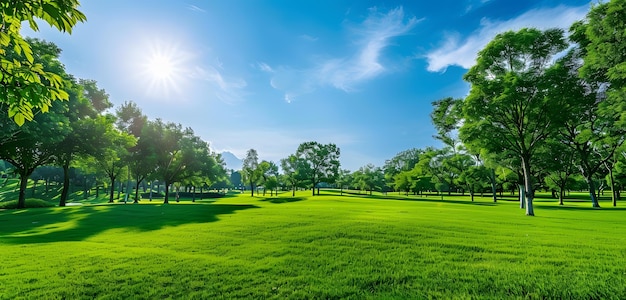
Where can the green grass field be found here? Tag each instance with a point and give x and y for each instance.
(322, 247)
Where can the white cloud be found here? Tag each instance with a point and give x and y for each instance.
(373, 35)
(458, 51)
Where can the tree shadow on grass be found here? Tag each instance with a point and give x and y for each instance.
(79, 223)
(277, 200)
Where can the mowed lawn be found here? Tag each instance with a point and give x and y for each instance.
(322, 247)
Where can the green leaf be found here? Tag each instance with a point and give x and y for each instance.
(28, 52)
(63, 95)
(5, 39)
(19, 119)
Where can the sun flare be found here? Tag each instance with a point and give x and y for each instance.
(160, 66)
(163, 68)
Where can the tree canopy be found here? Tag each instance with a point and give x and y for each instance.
(27, 87)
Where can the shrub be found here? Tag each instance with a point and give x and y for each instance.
(30, 203)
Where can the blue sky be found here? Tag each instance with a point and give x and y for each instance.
(270, 75)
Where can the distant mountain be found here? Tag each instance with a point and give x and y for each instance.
(232, 161)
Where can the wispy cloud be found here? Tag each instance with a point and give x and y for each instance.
(195, 8)
(265, 67)
(456, 50)
(376, 33)
(227, 89)
(475, 4)
(309, 38)
(373, 36)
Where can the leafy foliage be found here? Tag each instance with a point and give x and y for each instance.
(26, 85)
(322, 161)
(507, 108)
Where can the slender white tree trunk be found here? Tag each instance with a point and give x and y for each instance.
(528, 187)
(522, 196)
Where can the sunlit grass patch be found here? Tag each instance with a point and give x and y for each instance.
(326, 246)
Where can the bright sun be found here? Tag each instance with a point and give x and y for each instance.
(163, 69)
(161, 66)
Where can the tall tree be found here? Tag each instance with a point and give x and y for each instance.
(179, 153)
(26, 85)
(601, 46)
(34, 144)
(268, 171)
(87, 128)
(323, 161)
(250, 169)
(141, 158)
(506, 109)
(111, 159)
(296, 170)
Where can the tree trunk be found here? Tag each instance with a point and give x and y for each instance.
(318, 191)
(66, 184)
(472, 195)
(613, 192)
(126, 191)
(112, 189)
(528, 187)
(137, 192)
(21, 202)
(293, 191)
(522, 196)
(193, 194)
(561, 195)
(592, 192)
(167, 193)
(251, 188)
